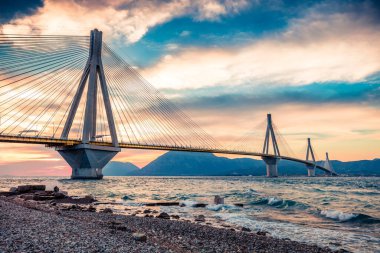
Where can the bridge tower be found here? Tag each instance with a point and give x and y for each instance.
(310, 157)
(271, 160)
(87, 160)
(328, 164)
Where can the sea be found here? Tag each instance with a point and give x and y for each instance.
(337, 212)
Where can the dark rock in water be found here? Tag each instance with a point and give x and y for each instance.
(140, 237)
(13, 189)
(163, 216)
(218, 200)
(147, 211)
(107, 210)
(200, 218)
(341, 251)
(239, 204)
(90, 198)
(263, 233)
(59, 195)
(199, 205)
(91, 209)
(174, 216)
(28, 188)
(245, 229)
(56, 189)
(163, 204)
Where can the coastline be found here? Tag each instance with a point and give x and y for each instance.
(41, 226)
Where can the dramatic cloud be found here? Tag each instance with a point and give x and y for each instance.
(120, 19)
(316, 48)
(11, 9)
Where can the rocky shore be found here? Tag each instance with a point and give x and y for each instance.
(35, 220)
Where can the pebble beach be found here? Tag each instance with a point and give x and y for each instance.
(50, 222)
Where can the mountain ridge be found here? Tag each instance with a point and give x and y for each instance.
(178, 163)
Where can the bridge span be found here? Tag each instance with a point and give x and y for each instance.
(75, 94)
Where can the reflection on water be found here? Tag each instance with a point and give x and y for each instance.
(334, 212)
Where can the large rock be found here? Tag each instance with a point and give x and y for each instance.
(218, 200)
(28, 188)
(163, 216)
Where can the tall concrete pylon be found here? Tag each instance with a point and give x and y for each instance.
(310, 154)
(270, 160)
(87, 160)
(328, 164)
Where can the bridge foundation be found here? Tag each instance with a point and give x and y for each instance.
(271, 163)
(86, 160)
(310, 170)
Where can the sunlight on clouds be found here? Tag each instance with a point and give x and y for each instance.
(118, 19)
(317, 48)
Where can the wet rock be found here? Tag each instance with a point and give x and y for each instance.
(107, 210)
(163, 215)
(89, 198)
(91, 209)
(56, 189)
(245, 229)
(59, 195)
(239, 204)
(199, 205)
(147, 211)
(200, 218)
(341, 251)
(262, 233)
(174, 216)
(218, 200)
(140, 237)
(28, 188)
(163, 204)
(13, 189)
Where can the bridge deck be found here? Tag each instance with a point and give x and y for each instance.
(54, 142)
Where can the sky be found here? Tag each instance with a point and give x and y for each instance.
(314, 65)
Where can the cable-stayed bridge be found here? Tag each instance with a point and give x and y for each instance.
(75, 94)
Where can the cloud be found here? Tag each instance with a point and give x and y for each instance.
(11, 9)
(338, 46)
(127, 19)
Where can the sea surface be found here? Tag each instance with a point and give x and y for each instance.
(338, 212)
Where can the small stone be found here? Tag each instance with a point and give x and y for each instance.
(245, 229)
(263, 233)
(56, 189)
(200, 218)
(91, 209)
(174, 216)
(218, 200)
(163, 216)
(147, 211)
(89, 198)
(107, 210)
(140, 237)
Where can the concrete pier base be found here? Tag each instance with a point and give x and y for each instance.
(87, 161)
(271, 163)
(310, 170)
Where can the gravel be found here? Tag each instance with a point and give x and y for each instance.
(31, 226)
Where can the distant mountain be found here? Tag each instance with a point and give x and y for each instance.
(175, 163)
(120, 169)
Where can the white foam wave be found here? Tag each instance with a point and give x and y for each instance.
(338, 215)
(188, 203)
(273, 201)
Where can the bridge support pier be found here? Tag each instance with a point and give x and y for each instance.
(271, 163)
(86, 160)
(310, 170)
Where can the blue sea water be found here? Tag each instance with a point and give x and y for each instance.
(338, 212)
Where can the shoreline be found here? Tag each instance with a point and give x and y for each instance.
(45, 226)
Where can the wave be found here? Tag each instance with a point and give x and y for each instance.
(349, 217)
(277, 202)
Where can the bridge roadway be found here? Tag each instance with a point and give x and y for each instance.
(53, 142)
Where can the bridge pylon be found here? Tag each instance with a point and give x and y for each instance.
(328, 164)
(86, 159)
(271, 160)
(310, 157)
